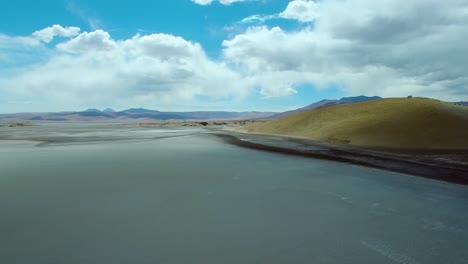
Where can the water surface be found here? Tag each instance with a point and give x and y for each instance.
(153, 196)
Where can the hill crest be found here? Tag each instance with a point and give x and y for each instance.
(411, 123)
(327, 103)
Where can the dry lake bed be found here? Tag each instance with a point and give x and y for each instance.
(95, 193)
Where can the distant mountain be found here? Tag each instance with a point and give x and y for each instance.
(462, 103)
(108, 110)
(92, 114)
(360, 98)
(138, 111)
(131, 115)
(39, 118)
(92, 110)
(327, 102)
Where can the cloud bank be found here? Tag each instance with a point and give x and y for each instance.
(149, 70)
(385, 48)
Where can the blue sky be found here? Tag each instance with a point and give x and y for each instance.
(123, 19)
(266, 55)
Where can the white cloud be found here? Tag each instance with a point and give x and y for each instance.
(224, 2)
(154, 71)
(17, 49)
(228, 2)
(202, 2)
(10, 42)
(87, 42)
(301, 10)
(257, 19)
(387, 48)
(48, 34)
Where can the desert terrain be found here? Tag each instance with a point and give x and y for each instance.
(402, 123)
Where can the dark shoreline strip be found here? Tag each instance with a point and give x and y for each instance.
(452, 175)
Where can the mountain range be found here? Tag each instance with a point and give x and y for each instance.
(141, 114)
(131, 115)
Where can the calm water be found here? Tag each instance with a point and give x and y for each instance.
(194, 199)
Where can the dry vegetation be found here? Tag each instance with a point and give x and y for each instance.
(413, 123)
(218, 123)
(17, 124)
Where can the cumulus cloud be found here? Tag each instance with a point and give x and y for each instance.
(48, 34)
(301, 10)
(224, 2)
(95, 41)
(153, 71)
(388, 48)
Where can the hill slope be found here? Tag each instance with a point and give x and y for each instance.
(413, 123)
(326, 103)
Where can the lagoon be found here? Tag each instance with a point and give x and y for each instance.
(122, 194)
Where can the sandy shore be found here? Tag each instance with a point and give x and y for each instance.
(443, 165)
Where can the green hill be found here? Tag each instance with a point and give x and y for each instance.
(413, 123)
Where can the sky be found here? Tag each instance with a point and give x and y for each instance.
(233, 55)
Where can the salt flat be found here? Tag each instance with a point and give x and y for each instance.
(90, 195)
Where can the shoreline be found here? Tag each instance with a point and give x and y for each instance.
(427, 164)
(443, 165)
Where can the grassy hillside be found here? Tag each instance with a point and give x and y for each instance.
(417, 123)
